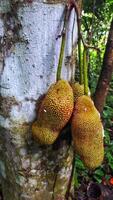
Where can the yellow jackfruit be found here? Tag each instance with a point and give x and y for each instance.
(57, 106)
(43, 135)
(54, 112)
(87, 132)
(78, 90)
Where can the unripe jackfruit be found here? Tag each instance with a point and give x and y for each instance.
(57, 106)
(78, 90)
(43, 135)
(87, 132)
(54, 112)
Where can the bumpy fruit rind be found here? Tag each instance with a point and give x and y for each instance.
(78, 90)
(54, 112)
(87, 132)
(57, 106)
(43, 135)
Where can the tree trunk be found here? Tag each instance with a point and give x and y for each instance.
(29, 55)
(106, 73)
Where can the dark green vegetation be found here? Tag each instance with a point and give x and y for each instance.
(96, 20)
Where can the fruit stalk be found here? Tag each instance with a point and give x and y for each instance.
(80, 61)
(59, 68)
(61, 57)
(85, 71)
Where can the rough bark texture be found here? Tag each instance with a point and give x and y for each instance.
(28, 60)
(106, 73)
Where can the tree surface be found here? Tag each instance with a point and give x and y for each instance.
(29, 54)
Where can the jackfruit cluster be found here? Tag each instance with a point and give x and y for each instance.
(54, 112)
(87, 132)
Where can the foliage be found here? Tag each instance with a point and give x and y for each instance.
(96, 17)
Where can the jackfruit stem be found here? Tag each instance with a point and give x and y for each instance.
(59, 68)
(80, 60)
(85, 71)
(62, 48)
(77, 11)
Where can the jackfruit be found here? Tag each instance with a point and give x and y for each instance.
(78, 90)
(87, 132)
(57, 106)
(43, 135)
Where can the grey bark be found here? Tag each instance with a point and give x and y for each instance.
(28, 61)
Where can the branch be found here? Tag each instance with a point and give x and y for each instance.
(87, 46)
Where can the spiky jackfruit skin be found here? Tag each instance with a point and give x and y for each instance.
(78, 90)
(87, 132)
(43, 135)
(57, 106)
